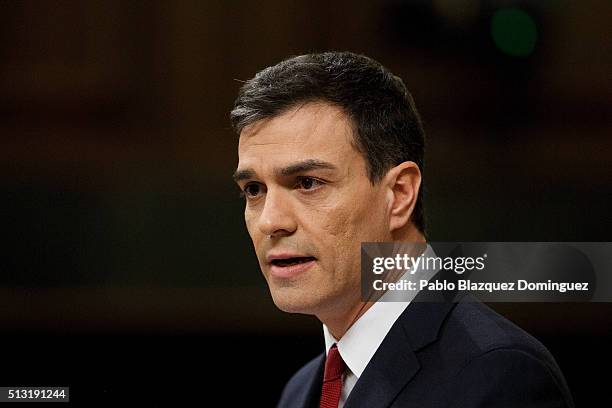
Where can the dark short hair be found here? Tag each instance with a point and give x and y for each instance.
(386, 125)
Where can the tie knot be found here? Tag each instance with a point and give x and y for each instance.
(334, 365)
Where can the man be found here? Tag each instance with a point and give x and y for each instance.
(331, 155)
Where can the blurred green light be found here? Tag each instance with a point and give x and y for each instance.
(514, 32)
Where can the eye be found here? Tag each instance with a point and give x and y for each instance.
(308, 183)
(252, 190)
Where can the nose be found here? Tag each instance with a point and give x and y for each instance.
(277, 217)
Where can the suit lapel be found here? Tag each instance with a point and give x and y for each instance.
(311, 391)
(395, 362)
(390, 369)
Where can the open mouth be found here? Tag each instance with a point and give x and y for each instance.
(292, 261)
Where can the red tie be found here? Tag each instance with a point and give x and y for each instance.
(332, 379)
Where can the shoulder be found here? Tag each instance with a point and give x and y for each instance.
(299, 386)
(509, 376)
(495, 360)
(478, 329)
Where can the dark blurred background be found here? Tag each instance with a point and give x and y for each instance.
(126, 271)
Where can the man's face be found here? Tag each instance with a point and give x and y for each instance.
(309, 205)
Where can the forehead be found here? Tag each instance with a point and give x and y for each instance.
(314, 130)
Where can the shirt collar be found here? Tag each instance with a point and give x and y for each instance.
(360, 342)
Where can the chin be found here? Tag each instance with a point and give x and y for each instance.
(294, 301)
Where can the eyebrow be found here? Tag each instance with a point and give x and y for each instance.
(299, 167)
(240, 175)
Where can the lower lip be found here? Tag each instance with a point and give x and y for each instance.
(290, 271)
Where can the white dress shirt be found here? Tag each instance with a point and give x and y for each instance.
(362, 339)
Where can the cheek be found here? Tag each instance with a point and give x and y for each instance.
(341, 228)
(350, 225)
(334, 222)
(250, 222)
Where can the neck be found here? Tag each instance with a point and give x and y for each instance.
(339, 323)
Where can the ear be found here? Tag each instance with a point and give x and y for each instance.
(403, 182)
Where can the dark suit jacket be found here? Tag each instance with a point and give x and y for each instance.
(446, 355)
